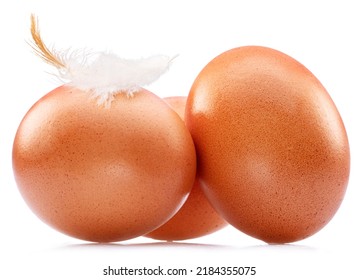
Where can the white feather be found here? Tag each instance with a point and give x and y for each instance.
(106, 74)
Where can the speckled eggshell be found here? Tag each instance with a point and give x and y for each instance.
(272, 149)
(196, 217)
(103, 173)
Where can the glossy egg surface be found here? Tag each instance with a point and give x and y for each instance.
(273, 153)
(103, 173)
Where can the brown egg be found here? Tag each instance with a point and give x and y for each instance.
(197, 217)
(103, 174)
(272, 150)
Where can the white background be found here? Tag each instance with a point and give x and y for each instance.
(323, 35)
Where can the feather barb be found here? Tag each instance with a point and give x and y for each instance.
(40, 48)
(105, 74)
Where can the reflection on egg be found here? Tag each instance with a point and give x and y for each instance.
(103, 173)
(197, 217)
(272, 149)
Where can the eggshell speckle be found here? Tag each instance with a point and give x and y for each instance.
(103, 174)
(272, 149)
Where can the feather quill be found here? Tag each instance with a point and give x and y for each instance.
(103, 74)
